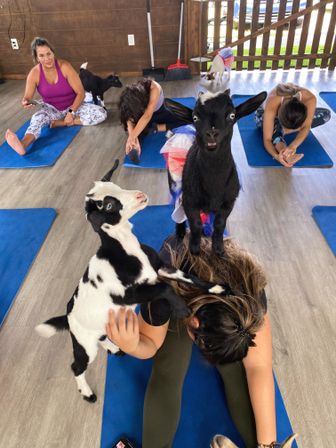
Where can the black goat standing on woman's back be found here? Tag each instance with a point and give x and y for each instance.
(210, 181)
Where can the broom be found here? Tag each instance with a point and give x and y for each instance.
(178, 71)
(154, 72)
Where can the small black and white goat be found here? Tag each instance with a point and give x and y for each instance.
(122, 273)
(96, 85)
(210, 180)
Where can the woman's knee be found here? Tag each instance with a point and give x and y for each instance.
(93, 115)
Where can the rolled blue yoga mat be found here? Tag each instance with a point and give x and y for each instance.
(43, 152)
(314, 154)
(151, 145)
(204, 412)
(22, 232)
(325, 217)
(330, 99)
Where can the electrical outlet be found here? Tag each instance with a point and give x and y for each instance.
(131, 40)
(14, 44)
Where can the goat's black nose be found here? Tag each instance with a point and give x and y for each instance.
(212, 133)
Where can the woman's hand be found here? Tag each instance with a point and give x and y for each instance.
(68, 119)
(289, 152)
(280, 156)
(26, 103)
(123, 330)
(133, 143)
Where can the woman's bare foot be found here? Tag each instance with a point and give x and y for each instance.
(14, 142)
(294, 158)
(57, 124)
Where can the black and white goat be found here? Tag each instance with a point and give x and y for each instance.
(210, 181)
(122, 273)
(96, 85)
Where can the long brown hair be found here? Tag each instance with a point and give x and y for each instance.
(227, 323)
(133, 101)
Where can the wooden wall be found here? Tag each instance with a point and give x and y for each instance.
(89, 30)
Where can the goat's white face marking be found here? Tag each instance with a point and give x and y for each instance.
(108, 198)
(208, 96)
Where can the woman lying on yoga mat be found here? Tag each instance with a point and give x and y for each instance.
(62, 92)
(288, 108)
(231, 330)
(143, 111)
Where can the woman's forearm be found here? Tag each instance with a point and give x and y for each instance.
(78, 101)
(141, 124)
(145, 348)
(261, 388)
(300, 138)
(270, 148)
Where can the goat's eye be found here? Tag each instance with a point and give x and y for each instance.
(195, 118)
(99, 205)
(232, 116)
(108, 206)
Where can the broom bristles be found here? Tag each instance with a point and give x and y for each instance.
(178, 71)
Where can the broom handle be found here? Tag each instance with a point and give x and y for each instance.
(149, 23)
(180, 33)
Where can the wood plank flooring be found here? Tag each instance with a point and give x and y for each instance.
(40, 406)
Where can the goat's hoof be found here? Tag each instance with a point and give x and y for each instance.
(180, 230)
(194, 249)
(91, 399)
(218, 248)
(219, 252)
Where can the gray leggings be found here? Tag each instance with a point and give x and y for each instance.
(164, 391)
(89, 115)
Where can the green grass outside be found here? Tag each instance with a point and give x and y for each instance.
(281, 64)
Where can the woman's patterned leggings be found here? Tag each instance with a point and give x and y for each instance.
(89, 115)
(321, 116)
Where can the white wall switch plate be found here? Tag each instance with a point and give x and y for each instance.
(131, 40)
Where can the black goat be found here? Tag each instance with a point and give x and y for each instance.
(210, 181)
(96, 85)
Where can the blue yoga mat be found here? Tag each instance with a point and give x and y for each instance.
(22, 232)
(43, 152)
(204, 411)
(314, 154)
(330, 99)
(325, 217)
(151, 145)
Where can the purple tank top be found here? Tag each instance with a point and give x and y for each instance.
(60, 95)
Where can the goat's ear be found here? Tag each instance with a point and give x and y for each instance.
(250, 105)
(227, 92)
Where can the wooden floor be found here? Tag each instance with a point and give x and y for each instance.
(39, 404)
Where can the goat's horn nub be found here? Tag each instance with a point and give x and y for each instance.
(108, 175)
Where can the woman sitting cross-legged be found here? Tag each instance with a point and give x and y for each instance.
(143, 111)
(62, 92)
(232, 331)
(288, 108)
